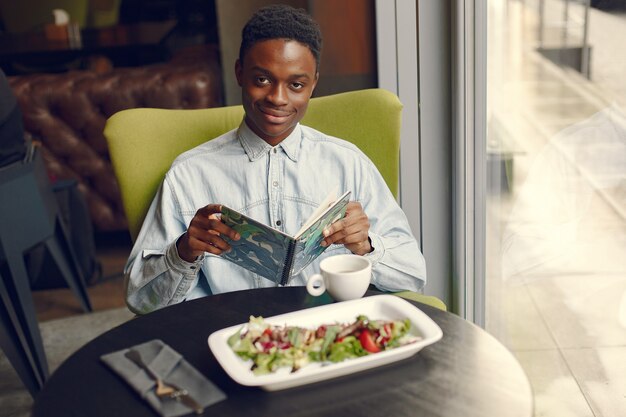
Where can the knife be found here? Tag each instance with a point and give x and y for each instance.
(179, 394)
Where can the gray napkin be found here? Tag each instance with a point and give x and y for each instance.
(171, 367)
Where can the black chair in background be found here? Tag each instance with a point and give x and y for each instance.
(29, 217)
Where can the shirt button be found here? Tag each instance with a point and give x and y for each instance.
(275, 150)
(275, 183)
(192, 267)
(278, 222)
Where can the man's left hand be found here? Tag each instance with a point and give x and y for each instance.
(352, 230)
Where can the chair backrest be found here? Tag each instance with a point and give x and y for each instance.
(143, 143)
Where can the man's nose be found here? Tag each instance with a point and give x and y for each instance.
(278, 95)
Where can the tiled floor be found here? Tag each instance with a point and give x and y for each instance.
(556, 289)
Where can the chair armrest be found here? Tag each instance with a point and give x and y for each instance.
(424, 299)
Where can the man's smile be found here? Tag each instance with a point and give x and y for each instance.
(274, 115)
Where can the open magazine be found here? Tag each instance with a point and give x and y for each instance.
(276, 255)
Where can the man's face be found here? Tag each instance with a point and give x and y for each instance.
(277, 78)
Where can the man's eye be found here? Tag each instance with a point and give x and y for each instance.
(297, 86)
(262, 80)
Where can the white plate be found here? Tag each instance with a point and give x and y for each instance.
(379, 307)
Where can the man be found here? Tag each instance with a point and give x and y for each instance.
(274, 170)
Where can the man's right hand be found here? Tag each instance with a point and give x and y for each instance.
(205, 234)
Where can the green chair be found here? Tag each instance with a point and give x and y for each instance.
(144, 142)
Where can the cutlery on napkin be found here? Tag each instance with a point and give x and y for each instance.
(160, 375)
(165, 390)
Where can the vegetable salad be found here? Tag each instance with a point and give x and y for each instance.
(272, 347)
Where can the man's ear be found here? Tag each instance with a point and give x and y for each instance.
(238, 71)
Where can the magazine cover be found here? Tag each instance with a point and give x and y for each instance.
(273, 254)
(261, 249)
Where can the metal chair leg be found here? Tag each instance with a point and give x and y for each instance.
(20, 311)
(63, 255)
(13, 348)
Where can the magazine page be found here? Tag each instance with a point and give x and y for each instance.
(261, 249)
(327, 202)
(308, 246)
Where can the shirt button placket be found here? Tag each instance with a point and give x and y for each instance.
(274, 189)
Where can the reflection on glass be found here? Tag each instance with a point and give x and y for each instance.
(567, 217)
(556, 209)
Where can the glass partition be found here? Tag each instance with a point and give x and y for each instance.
(556, 198)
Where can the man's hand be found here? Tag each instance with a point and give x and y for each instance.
(204, 234)
(352, 231)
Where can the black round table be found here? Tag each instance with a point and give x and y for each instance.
(467, 373)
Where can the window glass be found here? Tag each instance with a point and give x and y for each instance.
(556, 208)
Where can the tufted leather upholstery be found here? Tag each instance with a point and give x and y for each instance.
(67, 113)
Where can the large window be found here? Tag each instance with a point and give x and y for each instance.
(533, 164)
(556, 198)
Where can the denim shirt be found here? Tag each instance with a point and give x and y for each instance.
(280, 186)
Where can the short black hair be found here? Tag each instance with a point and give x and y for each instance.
(280, 21)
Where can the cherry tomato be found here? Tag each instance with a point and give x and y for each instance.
(367, 341)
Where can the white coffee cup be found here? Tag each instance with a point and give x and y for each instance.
(345, 277)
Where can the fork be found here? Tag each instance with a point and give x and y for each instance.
(164, 390)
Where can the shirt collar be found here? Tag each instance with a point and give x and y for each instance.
(255, 147)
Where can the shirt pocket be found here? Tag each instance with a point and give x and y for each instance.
(148, 253)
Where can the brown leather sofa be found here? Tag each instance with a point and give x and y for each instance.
(67, 112)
